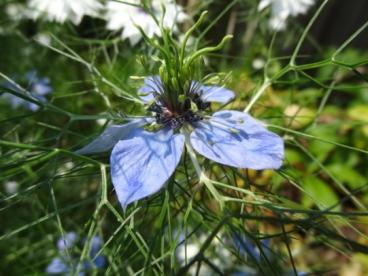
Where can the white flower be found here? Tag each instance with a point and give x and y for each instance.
(62, 10)
(186, 252)
(15, 11)
(101, 121)
(65, 168)
(129, 16)
(282, 9)
(258, 63)
(43, 39)
(218, 254)
(11, 187)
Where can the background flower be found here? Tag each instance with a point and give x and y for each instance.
(65, 263)
(11, 187)
(37, 87)
(128, 17)
(63, 10)
(282, 9)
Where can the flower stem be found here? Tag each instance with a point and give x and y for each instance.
(259, 93)
(202, 176)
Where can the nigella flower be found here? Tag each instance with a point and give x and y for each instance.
(65, 264)
(37, 87)
(129, 16)
(141, 161)
(62, 10)
(282, 9)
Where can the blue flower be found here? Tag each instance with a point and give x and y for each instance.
(259, 253)
(245, 247)
(142, 161)
(67, 242)
(37, 87)
(64, 264)
(58, 266)
(99, 261)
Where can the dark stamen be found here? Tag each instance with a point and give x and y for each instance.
(188, 110)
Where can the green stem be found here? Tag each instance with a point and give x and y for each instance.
(259, 93)
(306, 31)
(206, 50)
(188, 33)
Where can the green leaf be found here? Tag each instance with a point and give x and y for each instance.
(358, 113)
(347, 175)
(319, 193)
(298, 117)
(319, 149)
(293, 156)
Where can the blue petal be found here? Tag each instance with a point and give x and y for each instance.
(99, 261)
(110, 136)
(246, 247)
(57, 266)
(41, 87)
(213, 93)
(236, 139)
(140, 166)
(67, 241)
(31, 106)
(14, 100)
(31, 75)
(96, 244)
(152, 85)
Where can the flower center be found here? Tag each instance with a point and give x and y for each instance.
(174, 116)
